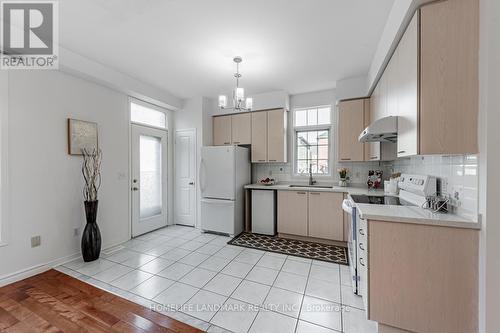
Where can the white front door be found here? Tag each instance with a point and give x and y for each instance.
(149, 179)
(185, 177)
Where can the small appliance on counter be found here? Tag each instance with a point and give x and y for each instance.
(267, 181)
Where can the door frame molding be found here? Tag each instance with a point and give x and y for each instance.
(197, 180)
(170, 154)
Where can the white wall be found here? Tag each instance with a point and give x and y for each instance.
(353, 87)
(489, 164)
(45, 182)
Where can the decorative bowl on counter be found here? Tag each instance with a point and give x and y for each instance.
(267, 181)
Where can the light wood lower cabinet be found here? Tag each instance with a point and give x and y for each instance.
(311, 214)
(326, 217)
(292, 212)
(423, 278)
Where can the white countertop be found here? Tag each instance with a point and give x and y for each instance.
(390, 213)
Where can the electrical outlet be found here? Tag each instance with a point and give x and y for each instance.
(36, 241)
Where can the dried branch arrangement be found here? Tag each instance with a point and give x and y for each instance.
(91, 170)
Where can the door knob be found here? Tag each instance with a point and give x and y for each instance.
(135, 188)
(191, 183)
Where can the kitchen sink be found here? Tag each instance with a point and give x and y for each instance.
(312, 186)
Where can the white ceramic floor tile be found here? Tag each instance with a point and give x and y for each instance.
(305, 327)
(205, 238)
(325, 273)
(177, 241)
(204, 305)
(176, 271)
(159, 250)
(300, 259)
(152, 287)
(292, 282)
(249, 257)
(272, 322)
(235, 316)
(321, 312)
(194, 259)
(156, 265)
(75, 264)
(271, 261)
(175, 254)
(209, 249)
(262, 275)
(176, 295)
(220, 240)
(223, 284)
(191, 245)
(355, 322)
(349, 298)
(217, 329)
(131, 280)
(345, 276)
(326, 264)
(112, 273)
(251, 292)
(284, 301)
(228, 252)
(276, 254)
(327, 290)
(94, 267)
(190, 320)
(238, 269)
(138, 260)
(296, 267)
(198, 277)
(121, 255)
(215, 264)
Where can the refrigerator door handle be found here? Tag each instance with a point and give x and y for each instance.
(202, 176)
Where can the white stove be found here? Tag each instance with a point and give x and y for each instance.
(413, 191)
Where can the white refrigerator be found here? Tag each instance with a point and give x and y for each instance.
(224, 170)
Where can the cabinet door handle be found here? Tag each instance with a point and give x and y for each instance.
(301, 192)
(361, 261)
(345, 159)
(361, 246)
(373, 157)
(315, 193)
(361, 232)
(262, 160)
(227, 143)
(401, 151)
(272, 160)
(236, 142)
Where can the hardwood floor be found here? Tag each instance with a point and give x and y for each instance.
(55, 302)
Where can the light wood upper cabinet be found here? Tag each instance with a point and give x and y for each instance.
(326, 217)
(407, 90)
(241, 128)
(276, 135)
(449, 83)
(351, 124)
(259, 137)
(292, 212)
(222, 130)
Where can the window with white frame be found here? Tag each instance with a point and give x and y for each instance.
(312, 133)
(146, 114)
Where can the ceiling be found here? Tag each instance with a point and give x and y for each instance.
(186, 46)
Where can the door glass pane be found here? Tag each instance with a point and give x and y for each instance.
(151, 177)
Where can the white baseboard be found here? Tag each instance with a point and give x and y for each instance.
(37, 269)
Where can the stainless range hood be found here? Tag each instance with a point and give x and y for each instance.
(381, 130)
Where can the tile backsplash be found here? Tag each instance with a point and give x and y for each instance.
(457, 177)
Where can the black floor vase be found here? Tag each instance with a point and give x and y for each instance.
(91, 238)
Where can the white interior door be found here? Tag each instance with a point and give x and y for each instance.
(149, 179)
(185, 177)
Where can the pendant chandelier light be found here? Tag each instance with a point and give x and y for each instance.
(238, 93)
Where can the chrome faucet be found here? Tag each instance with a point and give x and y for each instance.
(311, 180)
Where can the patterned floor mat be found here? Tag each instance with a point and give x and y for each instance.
(330, 253)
